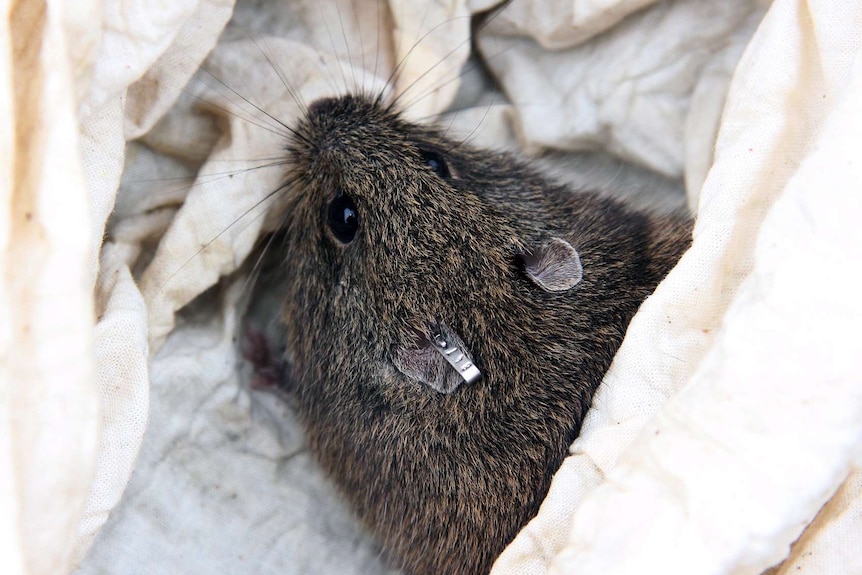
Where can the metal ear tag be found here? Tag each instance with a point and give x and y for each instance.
(456, 357)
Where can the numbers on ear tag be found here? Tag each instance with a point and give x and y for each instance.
(457, 357)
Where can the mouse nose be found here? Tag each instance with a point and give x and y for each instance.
(335, 110)
(347, 105)
(321, 106)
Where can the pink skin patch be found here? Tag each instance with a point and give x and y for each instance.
(256, 350)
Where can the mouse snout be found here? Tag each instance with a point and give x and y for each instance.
(340, 111)
(322, 106)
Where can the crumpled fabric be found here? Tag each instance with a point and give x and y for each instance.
(143, 143)
(701, 453)
(49, 404)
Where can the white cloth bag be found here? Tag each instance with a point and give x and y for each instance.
(730, 421)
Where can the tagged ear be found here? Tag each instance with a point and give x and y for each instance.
(555, 265)
(440, 361)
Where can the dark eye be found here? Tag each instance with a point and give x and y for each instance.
(436, 162)
(343, 217)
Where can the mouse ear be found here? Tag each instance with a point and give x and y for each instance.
(555, 265)
(439, 359)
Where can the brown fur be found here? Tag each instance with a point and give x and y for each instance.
(445, 481)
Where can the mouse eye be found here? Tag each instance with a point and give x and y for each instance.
(343, 217)
(436, 162)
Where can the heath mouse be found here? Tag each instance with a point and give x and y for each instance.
(449, 313)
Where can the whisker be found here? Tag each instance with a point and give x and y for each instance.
(203, 248)
(481, 121)
(346, 43)
(470, 67)
(397, 68)
(361, 43)
(279, 71)
(449, 127)
(444, 58)
(231, 160)
(436, 115)
(272, 162)
(422, 20)
(257, 267)
(212, 104)
(334, 50)
(282, 162)
(290, 130)
(377, 42)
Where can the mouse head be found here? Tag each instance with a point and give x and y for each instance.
(403, 245)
